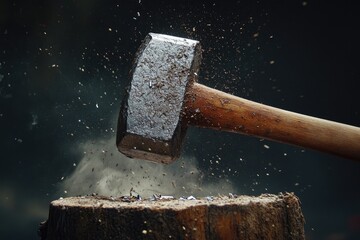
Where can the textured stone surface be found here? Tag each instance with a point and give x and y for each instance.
(150, 119)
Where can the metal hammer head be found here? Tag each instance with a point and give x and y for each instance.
(150, 122)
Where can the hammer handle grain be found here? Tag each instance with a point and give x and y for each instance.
(210, 108)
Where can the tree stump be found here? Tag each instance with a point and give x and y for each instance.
(225, 217)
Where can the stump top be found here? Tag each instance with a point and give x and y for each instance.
(209, 218)
(166, 203)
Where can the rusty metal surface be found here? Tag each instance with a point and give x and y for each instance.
(163, 68)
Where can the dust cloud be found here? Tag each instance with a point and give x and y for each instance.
(105, 171)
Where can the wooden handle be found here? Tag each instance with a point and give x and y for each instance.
(210, 108)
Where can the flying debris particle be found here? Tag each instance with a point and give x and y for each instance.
(144, 232)
(231, 195)
(97, 105)
(209, 198)
(272, 62)
(191, 198)
(266, 146)
(256, 35)
(109, 29)
(304, 3)
(166, 198)
(74, 164)
(138, 14)
(34, 120)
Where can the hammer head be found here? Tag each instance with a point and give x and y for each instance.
(150, 122)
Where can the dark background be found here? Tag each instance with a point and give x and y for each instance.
(64, 66)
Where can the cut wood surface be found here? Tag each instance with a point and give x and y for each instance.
(225, 217)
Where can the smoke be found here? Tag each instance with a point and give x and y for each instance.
(105, 171)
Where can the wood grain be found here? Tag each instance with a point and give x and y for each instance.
(210, 108)
(243, 217)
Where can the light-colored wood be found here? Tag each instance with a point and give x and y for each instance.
(210, 108)
(243, 217)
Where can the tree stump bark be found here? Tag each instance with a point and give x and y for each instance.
(241, 217)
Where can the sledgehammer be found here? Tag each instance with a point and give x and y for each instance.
(164, 98)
